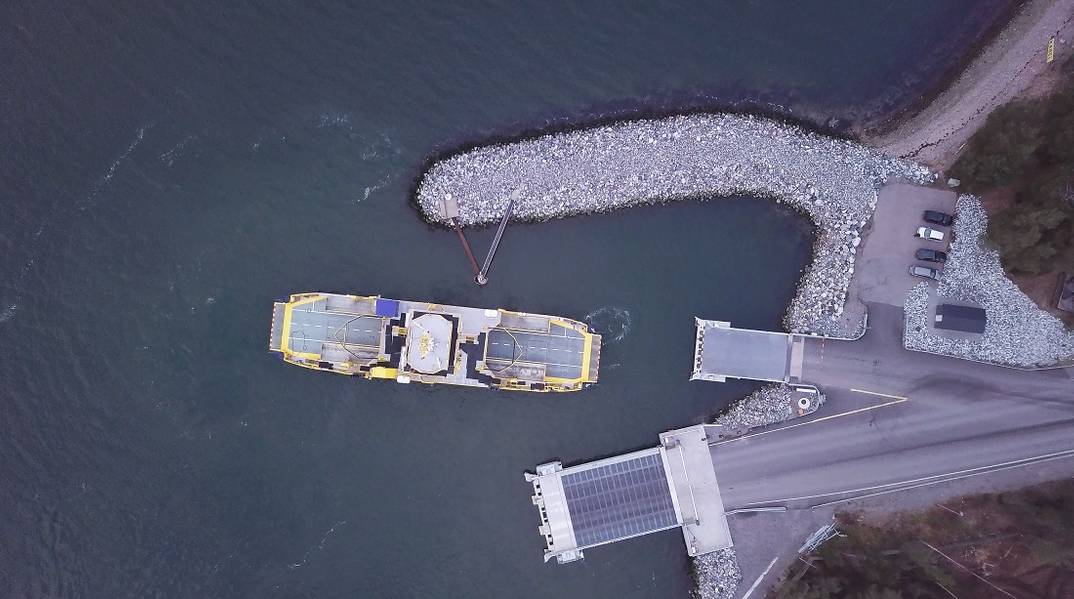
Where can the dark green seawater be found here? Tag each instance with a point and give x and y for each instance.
(167, 170)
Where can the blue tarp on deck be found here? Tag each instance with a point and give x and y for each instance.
(387, 307)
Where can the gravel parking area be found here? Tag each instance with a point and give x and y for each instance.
(888, 250)
(833, 181)
(1018, 332)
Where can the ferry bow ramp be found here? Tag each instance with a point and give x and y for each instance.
(380, 338)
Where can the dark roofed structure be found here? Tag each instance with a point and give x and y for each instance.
(1065, 293)
(966, 319)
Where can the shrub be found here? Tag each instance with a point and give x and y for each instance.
(1034, 238)
(1002, 150)
(1059, 133)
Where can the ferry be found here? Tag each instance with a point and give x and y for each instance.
(380, 338)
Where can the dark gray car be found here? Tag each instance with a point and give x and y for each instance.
(927, 255)
(938, 218)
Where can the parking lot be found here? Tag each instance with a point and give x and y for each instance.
(887, 252)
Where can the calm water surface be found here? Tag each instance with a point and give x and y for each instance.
(166, 172)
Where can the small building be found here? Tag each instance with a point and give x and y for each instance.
(966, 319)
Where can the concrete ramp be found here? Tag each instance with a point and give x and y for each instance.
(722, 351)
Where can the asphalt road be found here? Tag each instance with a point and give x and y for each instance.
(896, 419)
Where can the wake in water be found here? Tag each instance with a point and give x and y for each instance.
(374, 150)
(317, 547)
(168, 158)
(368, 191)
(380, 147)
(9, 312)
(111, 172)
(611, 322)
(334, 119)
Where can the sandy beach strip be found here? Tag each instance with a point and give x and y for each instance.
(1011, 64)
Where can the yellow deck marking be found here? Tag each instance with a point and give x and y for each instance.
(285, 341)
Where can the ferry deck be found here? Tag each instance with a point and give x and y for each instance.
(376, 337)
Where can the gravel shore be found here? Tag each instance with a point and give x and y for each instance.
(716, 575)
(700, 156)
(1018, 332)
(770, 404)
(1012, 64)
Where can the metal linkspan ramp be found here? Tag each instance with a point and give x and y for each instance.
(722, 351)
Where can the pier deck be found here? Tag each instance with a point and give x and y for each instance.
(617, 498)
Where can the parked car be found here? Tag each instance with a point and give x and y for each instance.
(925, 272)
(927, 255)
(930, 234)
(938, 218)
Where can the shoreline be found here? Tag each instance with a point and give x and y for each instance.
(1012, 63)
(869, 127)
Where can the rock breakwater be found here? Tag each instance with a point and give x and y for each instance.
(771, 404)
(698, 156)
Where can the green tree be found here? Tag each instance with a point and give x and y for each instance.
(1002, 150)
(1033, 238)
(1059, 132)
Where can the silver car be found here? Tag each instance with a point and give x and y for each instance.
(925, 272)
(930, 234)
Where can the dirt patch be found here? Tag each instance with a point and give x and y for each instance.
(1042, 290)
(998, 200)
(1014, 544)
